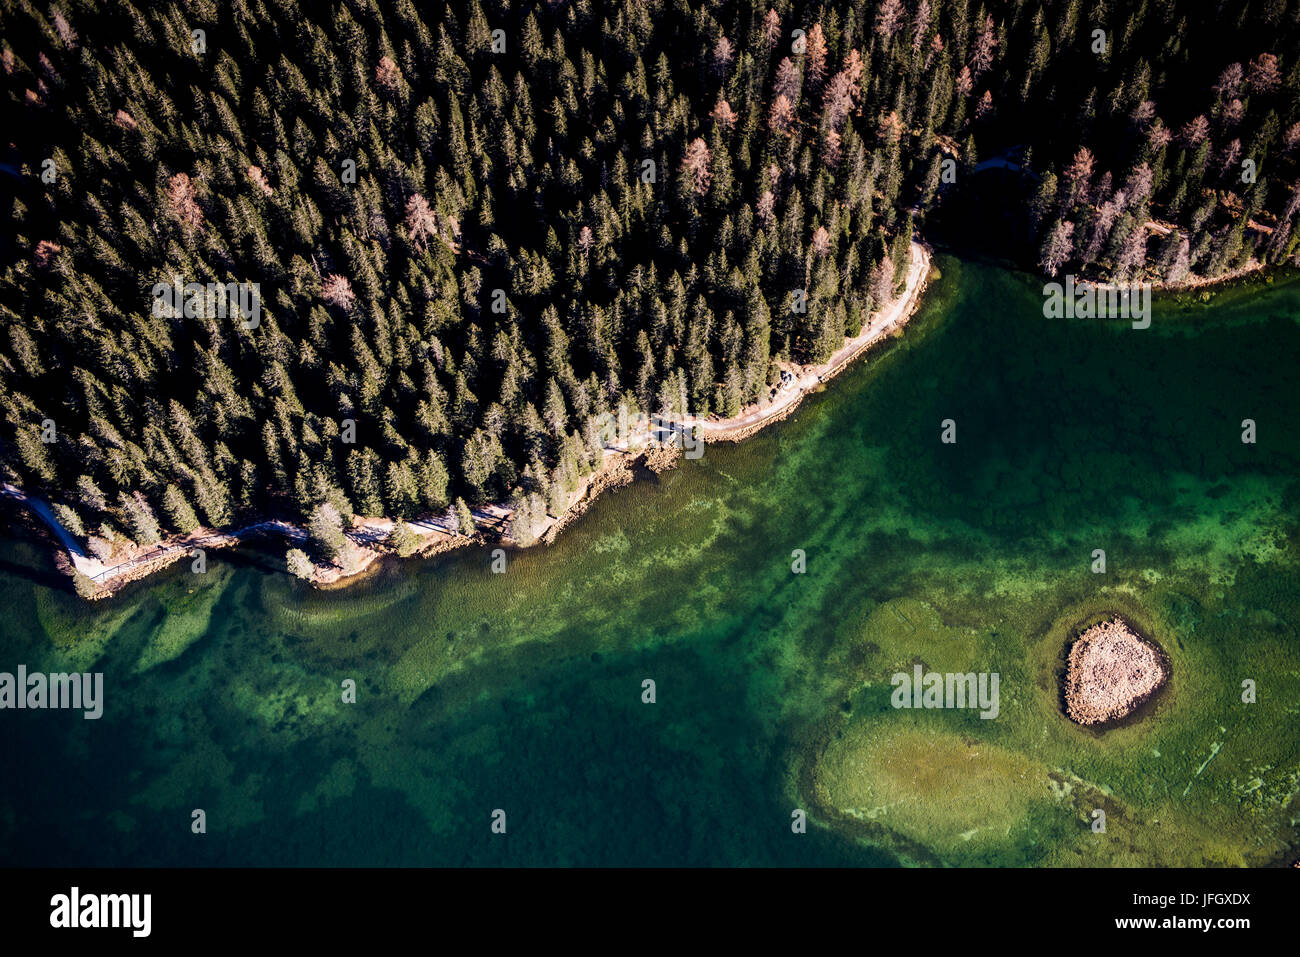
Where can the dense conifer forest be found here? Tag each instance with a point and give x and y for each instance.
(477, 225)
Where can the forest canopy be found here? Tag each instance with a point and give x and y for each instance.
(476, 226)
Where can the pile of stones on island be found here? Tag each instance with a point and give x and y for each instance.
(1111, 671)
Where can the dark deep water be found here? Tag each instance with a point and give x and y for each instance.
(523, 691)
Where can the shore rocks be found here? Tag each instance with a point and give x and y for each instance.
(614, 472)
(1111, 670)
(661, 458)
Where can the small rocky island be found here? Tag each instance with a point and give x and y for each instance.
(1111, 670)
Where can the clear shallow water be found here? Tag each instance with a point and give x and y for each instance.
(522, 691)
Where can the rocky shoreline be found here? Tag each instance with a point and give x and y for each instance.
(744, 432)
(617, 472)
(884, 325)
(1110, 672)
(367, 536)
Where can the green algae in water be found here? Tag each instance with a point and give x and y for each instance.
(523, 691)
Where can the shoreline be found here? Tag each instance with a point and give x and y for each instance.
(1204, 282)
(1255, 269)
(366, 537)
(808, 378)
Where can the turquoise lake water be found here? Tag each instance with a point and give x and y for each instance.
(523, 691)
